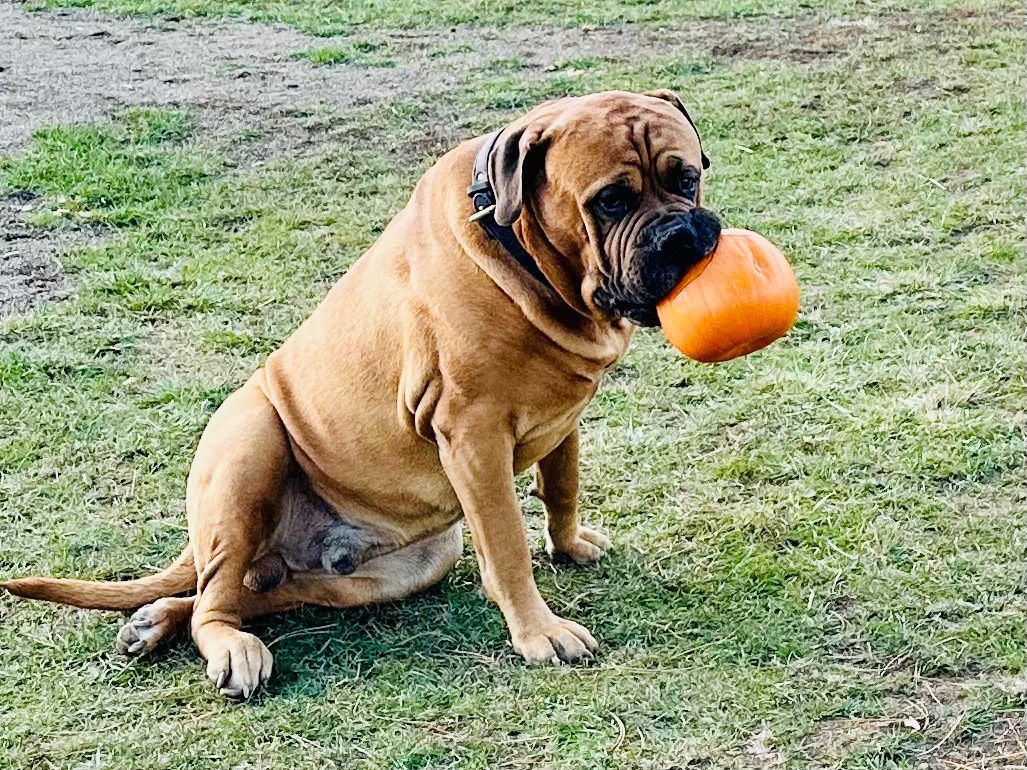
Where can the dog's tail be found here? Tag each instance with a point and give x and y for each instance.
(113, 595)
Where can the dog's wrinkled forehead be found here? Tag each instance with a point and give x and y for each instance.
(587, 139)
(621, 134)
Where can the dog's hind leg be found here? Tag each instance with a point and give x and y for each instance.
(233, 501)
(152, 623)
(389, 577)
(556, 485)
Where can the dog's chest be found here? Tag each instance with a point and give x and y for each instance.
(539, 431)
(551, 408)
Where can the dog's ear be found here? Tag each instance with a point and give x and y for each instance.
(513, 163)
(669, 96)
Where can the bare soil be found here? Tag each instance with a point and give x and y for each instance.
(76, 66)
(29, 271)
(938, 712)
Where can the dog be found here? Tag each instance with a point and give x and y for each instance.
(458, 351)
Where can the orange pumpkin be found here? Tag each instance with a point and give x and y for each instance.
(739, 298)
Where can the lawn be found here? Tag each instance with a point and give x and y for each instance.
(819, 550)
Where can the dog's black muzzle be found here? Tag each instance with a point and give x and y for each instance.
(665, 250)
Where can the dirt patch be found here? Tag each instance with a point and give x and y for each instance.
(77, 66)
(243, 80)
(1003, 747)
(74, 66)
(29, 273)
(937, 720)
(809, 39)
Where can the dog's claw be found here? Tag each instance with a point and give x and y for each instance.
(239, 665)
(559, 641)
(587, 546)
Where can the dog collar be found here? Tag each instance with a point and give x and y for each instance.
(483, 195)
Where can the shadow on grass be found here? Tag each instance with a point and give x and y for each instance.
(637, 612)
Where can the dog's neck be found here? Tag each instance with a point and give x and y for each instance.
(556, 310)
(563, 280)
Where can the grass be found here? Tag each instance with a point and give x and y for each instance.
(813, 545)
(358, 53)
(340, 17)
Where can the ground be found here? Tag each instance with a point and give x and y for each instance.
(819, 549)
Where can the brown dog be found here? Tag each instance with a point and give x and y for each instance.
(441, 365)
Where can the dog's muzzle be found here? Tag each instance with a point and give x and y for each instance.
(664, 251)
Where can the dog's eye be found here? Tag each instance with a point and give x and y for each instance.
(688, 186)
(613, 202)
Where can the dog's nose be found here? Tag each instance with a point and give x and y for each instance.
(674, 243)
(684, 236)
(707, 229)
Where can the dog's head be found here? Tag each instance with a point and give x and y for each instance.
(610, 185)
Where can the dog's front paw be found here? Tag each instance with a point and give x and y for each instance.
(239, 665)
(586, 546)
(555, 641)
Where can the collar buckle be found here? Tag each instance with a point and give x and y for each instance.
(484, 200)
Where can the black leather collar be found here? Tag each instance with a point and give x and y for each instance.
(483, 196)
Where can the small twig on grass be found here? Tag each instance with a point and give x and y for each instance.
(933, 181)
(955, 724)
(301, 632)
(833, 547)
(930, 691)
(205, 717)
(621, 731)
(306, 742)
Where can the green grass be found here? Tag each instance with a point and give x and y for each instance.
(818, 541)
(361, 53)
(121, 174)
(335, 17)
